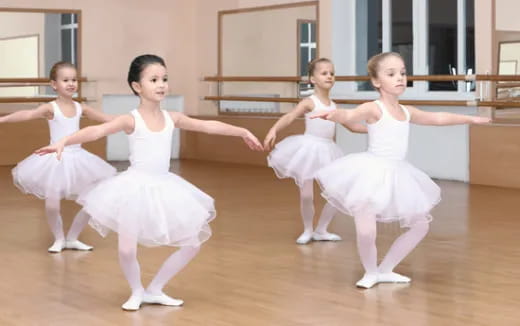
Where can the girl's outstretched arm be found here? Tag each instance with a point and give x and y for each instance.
(122, 123)
(443, 118)
(217, 128)
(97, 115)
(305, 105)
(351, 117)
(356, 127)
(44, 111)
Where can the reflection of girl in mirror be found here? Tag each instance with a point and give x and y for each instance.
(147, 204)
(53, 180)
(380, 185)
(300, 157)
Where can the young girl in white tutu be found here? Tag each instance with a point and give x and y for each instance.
(53, 180)
(147, 204)
(300, 157)
(380, 185)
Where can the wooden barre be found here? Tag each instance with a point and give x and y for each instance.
(498, 104)
(34, 99)
(432, 78)
(32, 80)
(24, 84)
(254, 99)
(339, 101)
(507, 85)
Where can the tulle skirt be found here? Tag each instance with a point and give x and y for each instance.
(300, 157)
(46, 177)
(393, 190)
(155, 209)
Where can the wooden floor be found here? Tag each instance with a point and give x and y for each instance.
(466, 271)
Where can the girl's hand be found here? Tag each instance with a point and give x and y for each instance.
(480, 120)
(54, 148)
(251, 141)
(325, 115)
(269, 140)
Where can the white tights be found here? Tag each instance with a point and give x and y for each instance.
(171, 266)
(307, 210)
(52, 210)
(402, 246)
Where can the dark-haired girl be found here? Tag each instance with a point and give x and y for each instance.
(147, 204)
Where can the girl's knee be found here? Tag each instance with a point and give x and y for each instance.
(194, 250)
(420, 225)
(52, 205)
(307, 198)
(366, 234)
(307, 191)
(127, 253)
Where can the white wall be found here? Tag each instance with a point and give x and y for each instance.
(507, 15)
(117, 144)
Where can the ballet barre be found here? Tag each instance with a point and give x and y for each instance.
(26, 82)
(503, 81)
(472, 103)
(305, 79)
(31, 99)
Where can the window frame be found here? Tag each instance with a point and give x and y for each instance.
(305, 87)
(73, 27)
(419, 90)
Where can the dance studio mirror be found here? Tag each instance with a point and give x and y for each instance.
(508, 64)
(266, 41)
(31, 41)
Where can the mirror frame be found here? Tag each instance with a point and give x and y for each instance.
(57, 11)
(498, 59)
(222, 13)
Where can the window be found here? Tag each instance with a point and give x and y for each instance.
(69, 36)
(435, 37)
(402, 32)
(442, 47)
(306, 49)
(369, 36)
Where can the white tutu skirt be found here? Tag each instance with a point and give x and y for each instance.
(393, 190)
(155, 209)
(46, 177)
(300, 157)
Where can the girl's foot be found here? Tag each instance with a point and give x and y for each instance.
(162, 299)
(325, 236)
(57, 246)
